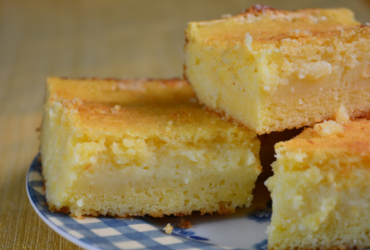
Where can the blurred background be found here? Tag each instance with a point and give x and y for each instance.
(111, 38)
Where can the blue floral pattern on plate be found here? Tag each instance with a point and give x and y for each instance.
(187, 234)
(261, 215)
(262, 245)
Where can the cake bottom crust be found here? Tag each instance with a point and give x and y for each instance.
(224, 208)
(356, 114)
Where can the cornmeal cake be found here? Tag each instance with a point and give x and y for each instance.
(272, 70)
(136, 147)
(321, 189)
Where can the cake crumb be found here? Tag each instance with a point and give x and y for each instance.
(80, 202)
(248, 41)
(341, 116)
(168, 229)
(116, 109)
(328, 128)
(185, 223)
(226, 16)
(77, 101)
(80, 217)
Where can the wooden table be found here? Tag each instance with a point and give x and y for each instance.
(84, 39)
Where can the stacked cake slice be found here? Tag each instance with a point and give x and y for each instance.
(126, 148)
(274, 70)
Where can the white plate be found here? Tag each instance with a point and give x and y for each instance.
(243, 230)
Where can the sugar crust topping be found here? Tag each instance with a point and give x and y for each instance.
(354, 140)
(155, 106)
(277, 25)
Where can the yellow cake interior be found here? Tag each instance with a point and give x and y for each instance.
(273, 70)
(321, 189)
(126, 148)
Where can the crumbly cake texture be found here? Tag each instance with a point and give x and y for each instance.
(273, 70)
(321, 190)
(137, 147)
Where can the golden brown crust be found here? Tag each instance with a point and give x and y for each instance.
(119, 106)
(258, 8)
(355, 140)
(64, 209)
(120, 80)
(226, 117)
(226, 208)
(263, 9)
(305, 37)
(68, 88)
(267, 25)
(181, 214)
(185, 224)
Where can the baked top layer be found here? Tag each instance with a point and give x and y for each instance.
(140, 108)
(268, 25)
(355, 140)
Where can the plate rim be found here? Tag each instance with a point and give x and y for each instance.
(55, 228)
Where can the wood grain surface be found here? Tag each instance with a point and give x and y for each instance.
(109, 38)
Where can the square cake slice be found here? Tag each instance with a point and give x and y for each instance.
(321, 189)
(273, 70)
(137, 147)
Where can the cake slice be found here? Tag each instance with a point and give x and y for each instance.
(273, 70)
(137, 147)
(321, 189)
